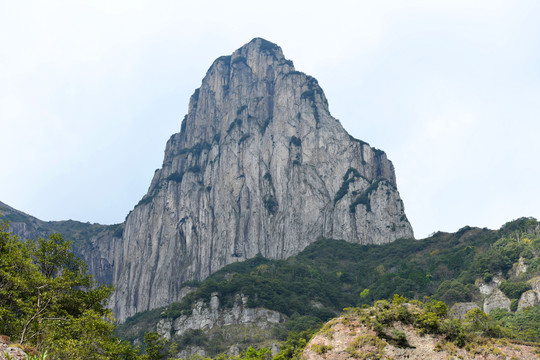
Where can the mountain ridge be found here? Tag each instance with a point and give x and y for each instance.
(329, 275)
(85, 236)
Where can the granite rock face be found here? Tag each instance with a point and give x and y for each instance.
(259, 166)
(459, 310)
(530, 297)
(486, 289)
(207, 316)
(496, 300)
(8, 352)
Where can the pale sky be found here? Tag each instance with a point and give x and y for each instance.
(90, 91)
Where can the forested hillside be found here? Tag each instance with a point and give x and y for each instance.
(49, 305)
(330, 275)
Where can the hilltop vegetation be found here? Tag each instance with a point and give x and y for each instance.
(339, 274)
(330, 275)
(413, 329)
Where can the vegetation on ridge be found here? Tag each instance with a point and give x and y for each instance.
(48, 302)
(329, 275)
(418, 329)
(335, 273)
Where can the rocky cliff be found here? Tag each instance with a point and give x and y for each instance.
(232, 327)
(259, 166)
(9, 351)
(207, 316)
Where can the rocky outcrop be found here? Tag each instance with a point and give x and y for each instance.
(530, 297)
(494, 298)
(459, 310)
(520, 267)
(259, 166)
(234, 327)
(486, 289)
(9, 352)
(191, 351)
(355, 337)
(535, 283)
(497, 300)
(207, 316)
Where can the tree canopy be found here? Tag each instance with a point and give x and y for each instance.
(48, 302)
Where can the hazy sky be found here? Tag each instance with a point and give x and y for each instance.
(90, 91)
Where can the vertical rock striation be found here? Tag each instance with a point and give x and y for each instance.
(259, 166)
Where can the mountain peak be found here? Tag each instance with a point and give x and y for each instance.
(257, 55)
(262, 45)
(258, 167)
(231, 82)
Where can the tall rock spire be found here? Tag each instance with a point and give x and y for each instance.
(259, 166)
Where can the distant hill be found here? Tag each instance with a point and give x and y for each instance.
(28, 227)
(85, 237)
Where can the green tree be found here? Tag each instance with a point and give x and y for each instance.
(253, 354)
(156, 346)
(63, 291)
(364, 293)
(87, 336)
(481, 323)
(293, 347)
(48, 301)
(17, 276)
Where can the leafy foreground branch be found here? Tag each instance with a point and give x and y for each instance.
(50, 305)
